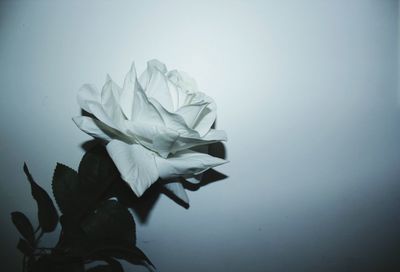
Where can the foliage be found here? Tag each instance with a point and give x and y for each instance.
(95, 226)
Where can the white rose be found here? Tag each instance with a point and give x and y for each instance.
(150, 126)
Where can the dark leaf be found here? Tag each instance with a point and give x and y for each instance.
(30, 263)
(123, 192)
(113, 263)
(49, 263)
(104, 268)
(70, 267)
(116, 265)
(77, 193)
(73, 195)
(43, 264)
(23, 225)
(110, 222)
(66, 189)
(25, 247)
(128, 253)
(97, 168)
(47, 213)
(143, 205)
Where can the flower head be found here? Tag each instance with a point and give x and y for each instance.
(151, 126)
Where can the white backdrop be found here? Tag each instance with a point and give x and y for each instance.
(306, 90)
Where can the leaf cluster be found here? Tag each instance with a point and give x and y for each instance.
(95, 227)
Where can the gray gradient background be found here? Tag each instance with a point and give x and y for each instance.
(307, 92)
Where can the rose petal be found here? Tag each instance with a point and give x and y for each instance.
(183, 80)
(185, 142)
(188, 137)
(206, 119)
(195, 179)
(158, 89)
(215, 135)
(157, 138)
(188, 95)
(185, 88)
(144, 78)
(191, 113)
(173, 120)
(186, 163)
(127, 95)
(177, 189)
(110, 99)
(135, 163)
(97, 129)
(98, 111)
(144, 110)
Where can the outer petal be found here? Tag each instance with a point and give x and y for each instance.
(135, 163)
(88, 93)
(127, 95)
(196, 179)
(110, 99)
(177, 189)
(98, 111)
(205, 119)
(186, 163)
(215, 135)
(97, 129)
